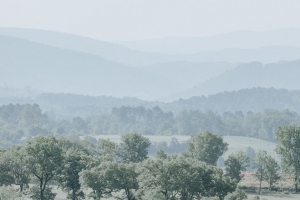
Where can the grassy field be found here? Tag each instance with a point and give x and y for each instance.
(235, 142)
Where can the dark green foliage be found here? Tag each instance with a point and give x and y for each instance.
(161, 154)
(178, 177)
(288, 147)
(98, 179)
(6, 177)
(206, 147)
(236, 195)
(236, 163)
(43, 160)
(267, 169)
(69, 175)
(47, 193)
(133, 148)
(20, 121)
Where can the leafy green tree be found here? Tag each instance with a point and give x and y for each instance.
(43, 160)
(69, 175)
(206, 147)
(271, 171)
(178, 177)
(99, 179)
(288, 147)
(108, 149)
(15, 161)
(260, 166)
(36, 191)
(124, 179)
(133, 148)
(266, 169)
(235, 164)
(6, 177)
(161, 154)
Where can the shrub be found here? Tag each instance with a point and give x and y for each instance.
(236, 195)
(48, 194)
(9, 193)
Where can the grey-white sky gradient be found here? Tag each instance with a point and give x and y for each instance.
(148, 19)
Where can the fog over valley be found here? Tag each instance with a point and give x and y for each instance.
(150, 100)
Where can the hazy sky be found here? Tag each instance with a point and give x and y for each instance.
(147, 19)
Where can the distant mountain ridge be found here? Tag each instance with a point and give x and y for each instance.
(278, 75)
(190, 74)
(107, 50)
(236, 47)
(51, 69)
(237, 39)
(254, 100)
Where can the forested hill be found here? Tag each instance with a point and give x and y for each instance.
(278, 75)
(255, 100)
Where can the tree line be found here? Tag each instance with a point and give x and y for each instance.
(18, 122)
(115, 170)
(125, 171)
(66, 106)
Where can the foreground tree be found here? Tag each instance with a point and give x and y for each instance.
(288, 147)
(206, 147)
(235, 164)
(133, 148)
(6, 177)
(14, 159)
(266, 169)
(69, 175)
(43, 160)
(98, 179)
(271, 171)
(260, 166)
(124, 180)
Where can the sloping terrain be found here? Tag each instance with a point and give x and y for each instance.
(51, 69)
(231, 40)
(107, 50)
(278, 75)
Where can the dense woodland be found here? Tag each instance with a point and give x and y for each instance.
(19, 122)
(66, 106)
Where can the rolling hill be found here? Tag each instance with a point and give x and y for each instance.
(51, 69)
(231, 40)
(107, 50)
(236, 47)
(190, 74)
(278, 75)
